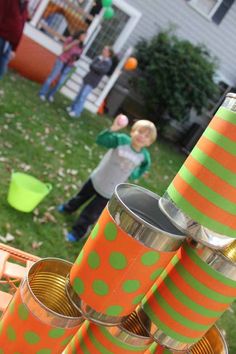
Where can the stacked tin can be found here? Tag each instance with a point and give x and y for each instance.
(40, 319)
(213, 342)
(192, 286)
(200, 283)
(129, 247)
(153, 269)
(128, 337)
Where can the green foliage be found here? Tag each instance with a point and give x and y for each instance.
(174, 76)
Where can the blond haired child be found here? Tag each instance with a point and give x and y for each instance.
(127, 157)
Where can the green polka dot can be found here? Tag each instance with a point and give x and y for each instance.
(38, 319)
(125, 253)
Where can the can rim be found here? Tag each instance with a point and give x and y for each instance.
(160, 337)
(139, 218)
(47, 309)
(97, 317)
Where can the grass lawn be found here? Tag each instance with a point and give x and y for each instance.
(38, 138)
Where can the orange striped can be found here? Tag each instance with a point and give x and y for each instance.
(204, 189)
(189, 296)
(213, 342)
(97, 339)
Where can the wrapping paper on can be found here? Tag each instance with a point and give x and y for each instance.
(205, 186)
(21, 331)
(114, 271)
(213, 342)
(188, 298)
(95, 339)
(40, 319)
(157, 349)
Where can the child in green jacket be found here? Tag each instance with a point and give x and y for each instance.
(127, 157)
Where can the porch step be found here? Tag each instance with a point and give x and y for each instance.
(89, 105)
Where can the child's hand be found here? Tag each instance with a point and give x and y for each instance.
(119, 122)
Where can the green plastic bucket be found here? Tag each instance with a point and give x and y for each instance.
(26, 192)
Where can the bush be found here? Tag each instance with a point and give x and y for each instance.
(174, 76)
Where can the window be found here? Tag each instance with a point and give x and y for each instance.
(110, 31)
(214, 10)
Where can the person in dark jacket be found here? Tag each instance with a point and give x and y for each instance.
(99, 67)
(13, 15)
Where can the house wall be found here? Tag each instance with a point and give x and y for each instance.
(220, 39)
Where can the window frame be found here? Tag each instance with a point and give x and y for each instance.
(193, 4)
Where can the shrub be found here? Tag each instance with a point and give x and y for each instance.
(174, 76)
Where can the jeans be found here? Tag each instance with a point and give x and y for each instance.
(90, 213)
(79, 101)
(5, 51)
(59, 69)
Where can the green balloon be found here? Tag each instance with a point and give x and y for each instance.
(109, 13)
(106, 3)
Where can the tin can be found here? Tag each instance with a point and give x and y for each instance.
(213, 342)
(40, 317)
(129, 247)
(129, 337)
(189, 296)
(201, 199)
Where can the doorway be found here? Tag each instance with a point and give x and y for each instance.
(113, 32)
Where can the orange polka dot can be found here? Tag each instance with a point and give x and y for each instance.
(40, 319)
(125, 253)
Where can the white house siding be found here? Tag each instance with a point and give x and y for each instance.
(220, 39)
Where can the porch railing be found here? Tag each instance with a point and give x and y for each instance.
(58, 18)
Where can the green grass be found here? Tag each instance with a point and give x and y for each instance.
(39, 139)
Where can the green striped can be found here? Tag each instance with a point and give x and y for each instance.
(204, 189)
(95, 339)
(212, 342)
(189, 296)
(157, 349)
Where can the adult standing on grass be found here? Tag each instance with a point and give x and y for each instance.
(99, 67)
(72, 50)
(127, 157)
(13, 14)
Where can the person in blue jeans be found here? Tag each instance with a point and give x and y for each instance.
(5, 56)
(99, 67)
(13, 15)
(72, 50)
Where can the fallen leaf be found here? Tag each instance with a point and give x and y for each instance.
(36, 212)
(51, 208)
(8, 226)
(8, 238)
(49, 217)
(9, 115)
(25, 167)
(49, 148)
(36, 244)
